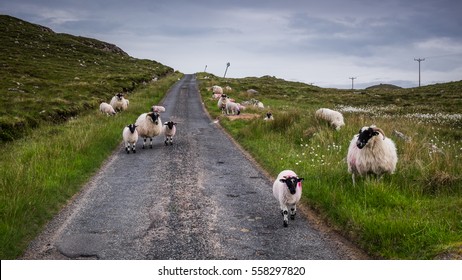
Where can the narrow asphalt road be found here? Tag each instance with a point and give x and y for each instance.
(201, 198)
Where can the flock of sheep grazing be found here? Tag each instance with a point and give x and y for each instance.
(147, 125)
(369, 152)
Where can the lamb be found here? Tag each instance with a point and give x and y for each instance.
(106, 108)
(169, 132)
(335, 118)
(130, 136)
(287, 189)
(119, 103)
(232, 107)
(370, 152)
(149, 125)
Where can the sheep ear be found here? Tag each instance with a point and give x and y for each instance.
(282, 180)
(300, 179)
(376, 133)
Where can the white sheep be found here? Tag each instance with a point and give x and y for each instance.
(106, 108)
(287, 189)
(169, 132)
(119, 103)
(269, 117)
(217, 90)
(233, 108)
(130, 136)
(335, 118)
(158, 109)
(149, 125)
(222, 103)
(370, 152)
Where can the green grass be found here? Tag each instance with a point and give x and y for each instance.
(52, 135)
(415, 213)
(49, 77)
(39, 174)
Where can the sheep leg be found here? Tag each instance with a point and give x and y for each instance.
(353, 178)
(166, 141)
(127, 148)
(144, 142)
(293, 211)
(150, 143)
(171, 140)
(134, 147)
(285, 215)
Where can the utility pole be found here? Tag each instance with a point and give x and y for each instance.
(352, 79)
(227, 65)
(419, 60)
(205, 69)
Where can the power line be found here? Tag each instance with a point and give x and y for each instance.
(419, 60)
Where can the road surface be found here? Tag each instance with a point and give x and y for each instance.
(201, 198)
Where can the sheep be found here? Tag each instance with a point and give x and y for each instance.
(269, 117)
(287, 189)
(233, 108)
(222, 103)
(158, 109)
(119, 103)
(130, 136)
(169, 132)
(335, 118)
(370, 152)
(217, 90)
(106, 108)
(148, 126)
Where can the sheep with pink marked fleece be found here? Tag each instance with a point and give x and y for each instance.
(287, 189)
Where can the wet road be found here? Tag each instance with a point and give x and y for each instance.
(201, 198)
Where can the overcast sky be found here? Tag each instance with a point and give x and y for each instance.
(324, 42)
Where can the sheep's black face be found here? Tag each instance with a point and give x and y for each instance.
(132, 127)
(170, 124)
(291, 183)
(154, 117)
(364, 135)
(119, 96)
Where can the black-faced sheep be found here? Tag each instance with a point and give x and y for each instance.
(149, 125)
(287, 189)
(370, 152)
(130, 136)
(333, 117)
(269, 117)
(119, 103)
(169, 132)
(222, 103)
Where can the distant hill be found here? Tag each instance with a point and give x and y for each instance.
(384, 86)
(49, 77)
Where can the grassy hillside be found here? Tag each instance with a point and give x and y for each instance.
(49, 77)
(55, 82)
(415, 213)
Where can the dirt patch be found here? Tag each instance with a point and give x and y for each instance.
(243, 117)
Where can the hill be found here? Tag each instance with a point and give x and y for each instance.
(383, 87)
(50, 77)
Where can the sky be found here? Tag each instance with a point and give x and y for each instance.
(327, 43)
